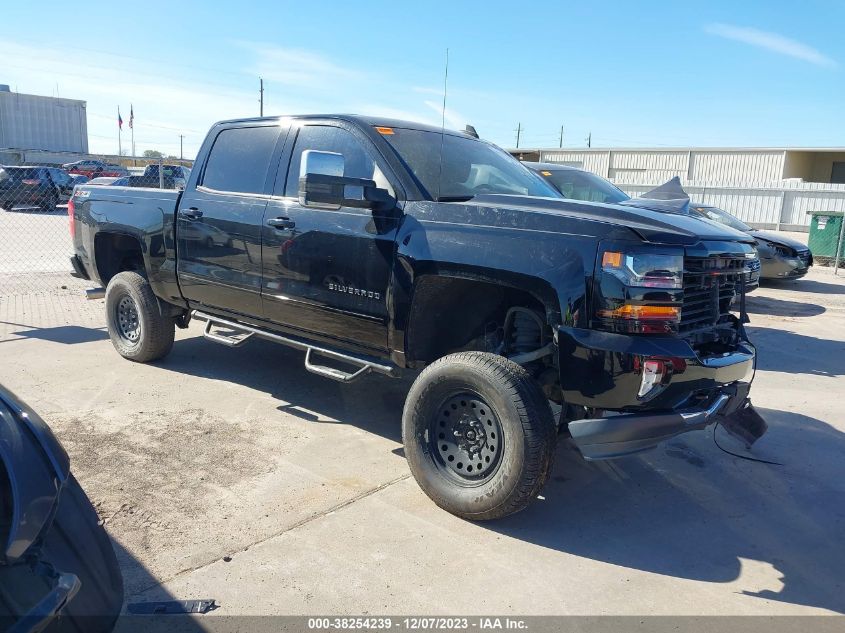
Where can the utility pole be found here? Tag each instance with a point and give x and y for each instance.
(518, 133)
(261, 94)
(181, 137)
(590, 139)
(561, 137)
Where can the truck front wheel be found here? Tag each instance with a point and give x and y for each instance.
(137, 329)
(479, 435)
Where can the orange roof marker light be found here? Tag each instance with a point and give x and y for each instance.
(387, 131)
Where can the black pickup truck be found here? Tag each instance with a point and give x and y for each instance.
(381, 246)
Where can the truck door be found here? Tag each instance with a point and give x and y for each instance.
(326, 272)
(218, 223)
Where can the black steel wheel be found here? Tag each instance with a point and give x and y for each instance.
(479, 435)
(467, 438)
(126, 317)
(136, 326)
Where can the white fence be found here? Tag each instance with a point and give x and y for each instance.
(781, 205)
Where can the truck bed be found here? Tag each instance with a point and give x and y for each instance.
(143, 213)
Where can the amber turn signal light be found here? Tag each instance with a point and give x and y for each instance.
(611, 259)
(642, 313)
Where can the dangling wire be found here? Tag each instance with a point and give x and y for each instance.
(745, 457)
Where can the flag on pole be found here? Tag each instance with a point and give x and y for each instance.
(131, 116)
(119, 120)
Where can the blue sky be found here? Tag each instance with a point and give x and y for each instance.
(632, 73)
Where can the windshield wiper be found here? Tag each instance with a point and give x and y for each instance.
(454, 198)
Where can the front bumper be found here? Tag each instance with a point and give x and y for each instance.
(784, 268)
(604, 371)
(619, 435)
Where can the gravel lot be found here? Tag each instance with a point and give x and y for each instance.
(234, 474)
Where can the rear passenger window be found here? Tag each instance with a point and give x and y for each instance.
(239, 159)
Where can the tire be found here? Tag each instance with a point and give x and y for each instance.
(49, 204)
(137, 329)
(469, 469)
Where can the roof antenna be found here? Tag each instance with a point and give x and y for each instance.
(442, 127)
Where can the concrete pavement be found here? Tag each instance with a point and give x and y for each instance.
(234, 474)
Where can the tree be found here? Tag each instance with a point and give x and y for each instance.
(152, 153)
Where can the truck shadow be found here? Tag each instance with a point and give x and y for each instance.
(686, 510)
(781, 307)
(785, 351)
(807, 285)
(66, 334)
(373, 403)
(690, 511)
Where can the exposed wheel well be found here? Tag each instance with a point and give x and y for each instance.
(114, 253)
(450, 314)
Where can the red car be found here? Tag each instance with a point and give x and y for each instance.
(95, 169)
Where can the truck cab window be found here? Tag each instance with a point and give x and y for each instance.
(468, 167)
(358, 161)
(239, 158)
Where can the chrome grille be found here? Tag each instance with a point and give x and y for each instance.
(710, 285)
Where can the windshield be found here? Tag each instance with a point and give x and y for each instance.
(470, 167)
(722, 217)
(582, 185)
(18, 173)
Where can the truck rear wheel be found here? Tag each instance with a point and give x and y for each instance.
(479, 435)
(137, 329)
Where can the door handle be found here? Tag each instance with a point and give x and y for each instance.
(190, 214)
(281, 223)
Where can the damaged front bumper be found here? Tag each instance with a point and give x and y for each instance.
(624, 434)
(648, 389)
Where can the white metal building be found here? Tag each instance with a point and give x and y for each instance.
(765, 187)
(34, 122)
(721, 165)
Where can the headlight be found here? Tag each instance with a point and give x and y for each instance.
(639, 291)
(645, 270)
(783, 251)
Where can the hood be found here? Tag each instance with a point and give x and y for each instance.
(669, 197)
(777, 238)
(651, 225)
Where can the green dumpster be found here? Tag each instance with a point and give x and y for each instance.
(826, 235)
